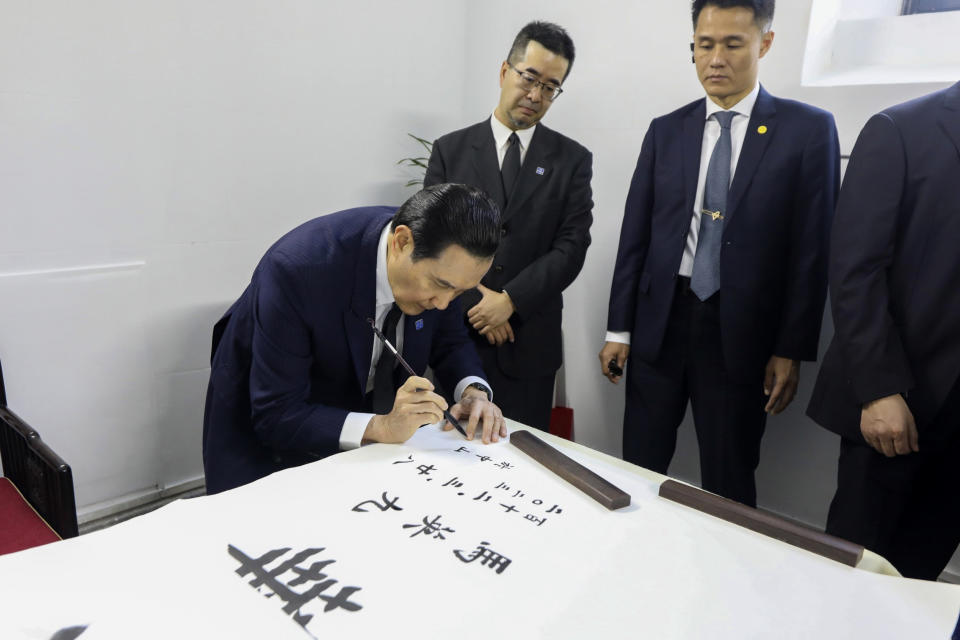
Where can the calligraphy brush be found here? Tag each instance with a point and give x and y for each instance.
(393, 350)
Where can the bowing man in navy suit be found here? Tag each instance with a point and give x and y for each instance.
(541, 179)
(890, 380)
(297, 372)
(720, 277)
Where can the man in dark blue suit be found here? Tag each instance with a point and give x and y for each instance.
(295, 359)
(720, 277)
(890, 381)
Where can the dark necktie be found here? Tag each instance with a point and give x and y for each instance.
(384, 390)
(705, 280)
(510, 168)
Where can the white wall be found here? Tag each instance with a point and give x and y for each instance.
(854, 42)
(151, 151)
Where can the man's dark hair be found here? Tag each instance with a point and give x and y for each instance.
(551, 37)
(451, 214)
(762, 10)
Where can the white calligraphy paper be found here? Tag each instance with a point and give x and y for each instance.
(442, 537)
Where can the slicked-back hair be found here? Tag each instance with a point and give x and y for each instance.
(450, 214)
(551, 37)
(762, 10)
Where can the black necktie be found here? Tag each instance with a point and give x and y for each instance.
(384, 391)
(511, 165)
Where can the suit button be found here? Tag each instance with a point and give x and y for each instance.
(503, 231)
(498, 268)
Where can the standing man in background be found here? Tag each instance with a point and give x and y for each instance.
(890, 381)
(541, 179)
(720, 278)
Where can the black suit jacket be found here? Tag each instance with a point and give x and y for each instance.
(544, 238)
(895, 267)
(774, 252)
(291, 356)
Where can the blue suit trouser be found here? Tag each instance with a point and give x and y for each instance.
(728, 412)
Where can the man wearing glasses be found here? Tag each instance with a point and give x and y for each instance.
(541, 179)
(720, 279)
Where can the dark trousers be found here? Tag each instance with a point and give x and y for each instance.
(526, 400)
(905, 508)
(727, 412)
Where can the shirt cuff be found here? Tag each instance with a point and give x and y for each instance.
(351, 435)
(458, 392)
(623, 337)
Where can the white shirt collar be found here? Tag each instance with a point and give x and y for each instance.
(501, 133)
(384, 292)
(744, 107)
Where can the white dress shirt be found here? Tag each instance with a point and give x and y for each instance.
(351, 435)
(711, 134)
(501, 135)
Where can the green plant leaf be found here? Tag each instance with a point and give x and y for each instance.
(417, 162)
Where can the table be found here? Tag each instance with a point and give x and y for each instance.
(441, 537)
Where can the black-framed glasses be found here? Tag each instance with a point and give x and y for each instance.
(528, 82)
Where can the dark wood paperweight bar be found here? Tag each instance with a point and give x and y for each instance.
(766, 523)
(570, 470)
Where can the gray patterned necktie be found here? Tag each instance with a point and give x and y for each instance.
(705, 280)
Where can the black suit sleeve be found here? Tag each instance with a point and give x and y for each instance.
(552, 272)
(806, 277)
(634, 239)
(861, 253)
(436, 169)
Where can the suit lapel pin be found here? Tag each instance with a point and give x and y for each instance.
(418, 324)
(762, 129)
(539, 171)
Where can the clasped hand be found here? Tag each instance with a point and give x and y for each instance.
(491, 316)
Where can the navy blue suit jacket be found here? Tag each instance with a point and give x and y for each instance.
(773, 256)
(543, 238)
(291, 356)
(895, 267)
